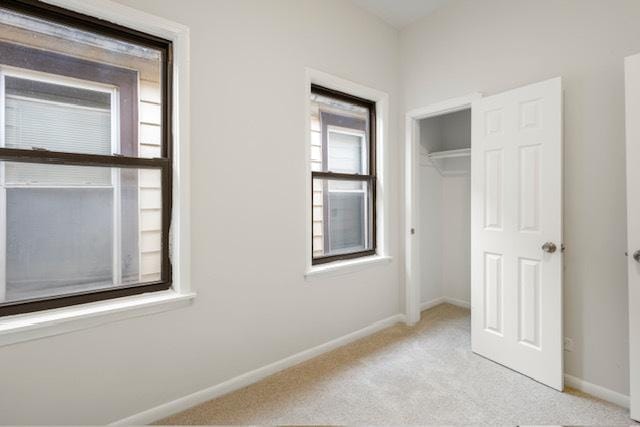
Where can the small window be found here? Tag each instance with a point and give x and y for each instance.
(85, 161)
(343, 175)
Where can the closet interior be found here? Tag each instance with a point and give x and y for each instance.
(445, 208)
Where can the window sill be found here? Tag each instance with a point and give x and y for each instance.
(344, 267)
(31, 326)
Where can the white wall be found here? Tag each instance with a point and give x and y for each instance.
(430, 233)
(456, 237)
(445, 233)
(456, 130)
(494, 45)
(248, 222)
(446, 132)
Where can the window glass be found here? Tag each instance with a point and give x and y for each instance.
(65, 240)
(56, 117)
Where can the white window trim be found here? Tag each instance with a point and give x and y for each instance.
(36, 325)
(338, 268)
(382, 188)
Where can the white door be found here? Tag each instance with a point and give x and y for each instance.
(516, 230)
(632, 99)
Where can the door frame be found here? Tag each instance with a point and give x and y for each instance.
(412, 268)
(632, 150)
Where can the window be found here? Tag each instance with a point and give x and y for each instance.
(85, 159)
(343, 175)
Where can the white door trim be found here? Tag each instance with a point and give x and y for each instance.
(632, 109)
(412, 205)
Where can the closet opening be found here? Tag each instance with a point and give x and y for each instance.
(444, 197)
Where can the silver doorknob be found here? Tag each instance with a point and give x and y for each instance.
(636, 255)
(551, 247)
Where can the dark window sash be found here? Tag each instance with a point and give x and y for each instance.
(342, 176)
(80, 159)
(59, 301)
(371, 191)
(328, 119)
(127, 83)
(63, 300)
(60, 15)
(341, 257)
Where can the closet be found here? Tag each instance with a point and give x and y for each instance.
(445, 208)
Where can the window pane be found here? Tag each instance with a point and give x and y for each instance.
(62, 239)
(72, 90)
(339, 136)
(345, 152)
(56, 117)
(341, 217)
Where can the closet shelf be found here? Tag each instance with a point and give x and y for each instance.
(464, 152)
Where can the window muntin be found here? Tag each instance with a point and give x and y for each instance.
(85, 165)
(343, 176)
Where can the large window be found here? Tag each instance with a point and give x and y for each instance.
(85, 161)
(343, 175)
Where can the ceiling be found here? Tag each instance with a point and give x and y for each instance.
(400, 13)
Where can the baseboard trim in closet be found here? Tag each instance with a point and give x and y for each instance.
(430, 304)
(458, 302)
(444, 300)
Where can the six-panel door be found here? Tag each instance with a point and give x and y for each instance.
(517, 208)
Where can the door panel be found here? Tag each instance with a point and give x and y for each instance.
(516, 208)
(632, 100)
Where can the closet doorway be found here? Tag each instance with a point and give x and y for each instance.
(433, 161)
(444, 193)
(484, 221)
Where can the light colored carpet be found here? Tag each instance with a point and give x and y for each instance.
(421, 375)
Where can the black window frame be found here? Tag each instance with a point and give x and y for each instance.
(370, 178)
(128, 159)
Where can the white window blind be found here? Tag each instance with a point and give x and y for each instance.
(345, 153)
(56, 126)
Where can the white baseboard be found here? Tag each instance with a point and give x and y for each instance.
(597, 391)
(243, 380)
(430, 304)
(571, 381)
(186, 402)
(442, 300)
(458, 302)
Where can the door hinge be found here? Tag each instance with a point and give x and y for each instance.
(413, 231)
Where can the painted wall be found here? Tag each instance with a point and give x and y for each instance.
(445, 210)
(456, 241)
(430, 232)
(248, 217)
(494, 45)
(447, 132)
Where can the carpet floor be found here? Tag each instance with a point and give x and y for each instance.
(421, 375)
